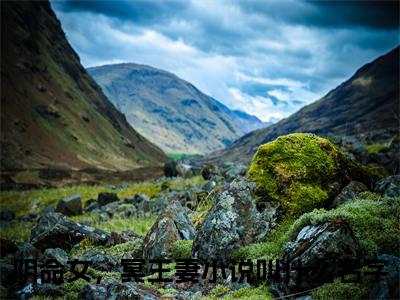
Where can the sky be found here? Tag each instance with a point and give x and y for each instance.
(267, 58)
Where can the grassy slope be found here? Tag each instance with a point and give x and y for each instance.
(53, 113)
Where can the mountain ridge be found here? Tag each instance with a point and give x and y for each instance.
(66, 120)
(365, 105)
(170, 111)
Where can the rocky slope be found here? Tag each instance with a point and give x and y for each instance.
(169, 111)
(365, 106)
(53, 114)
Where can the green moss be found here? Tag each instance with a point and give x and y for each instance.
(304, 197)
(294, 170)
(373, 219)
(344, 291)
(271, 249)
(128, 247)
(253, 293)
(182, 249)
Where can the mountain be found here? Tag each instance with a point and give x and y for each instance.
(53, 114)
(243, 120)
(169, 111)
(366, 105)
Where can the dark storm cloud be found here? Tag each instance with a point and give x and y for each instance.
(268, 58)
(138, 11)
(339, 14)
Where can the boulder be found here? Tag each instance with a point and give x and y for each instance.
(389, 186)
(323, 250)
(387, 287)
(171, 226)
(70, 206)
(349, 192)
(54, 230)
(170, 169)
(106, 198)
(301, 172)
(231, 223)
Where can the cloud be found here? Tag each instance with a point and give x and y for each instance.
(268, 58)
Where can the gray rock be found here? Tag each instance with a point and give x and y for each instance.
(349, 192)
(231, 223)
(91, 205)
(106, 198)
(234, 170)
(208, 171)
(27, 250)
(387, 287)
(389, 186)
(322, 251)
(54, 230)
(55, 253)
(70, 206)
(209, 186)
(114, 289)
(93, 292)
(173, 225)
(100, 261)
(185, 170)
(170, 169)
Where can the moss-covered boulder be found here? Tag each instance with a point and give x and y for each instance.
(301, 172)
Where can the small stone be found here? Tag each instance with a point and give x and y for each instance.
(70, 206)
(106, 198)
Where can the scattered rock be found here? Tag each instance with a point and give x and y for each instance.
(349, 192)
(208, 171)
(170, 169)
(234, 170)
(323, 251)
(54, 230)
(100, 261)
(387, 287)
(231, 223)
(171, 226)
(70, 206)
(113, 289)
(27, 250)
(389, 186)
(106, 198)
(185, 170)
(55, 253)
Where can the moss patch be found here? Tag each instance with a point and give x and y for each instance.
(182, 249)
(295, 170)
(373, 219)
